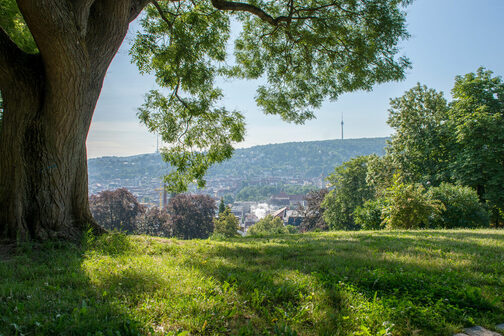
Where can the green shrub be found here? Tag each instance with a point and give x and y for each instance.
(349, 190)
(369, 215)
(268, 225)
(292, 229)
(409, 206)
(226, 224)
(462, 207)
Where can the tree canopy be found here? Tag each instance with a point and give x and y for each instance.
(420, 139)
(267, 226)
(305, 52)
(192, 215)
(348, 190)
(460, 141)
(444, 166)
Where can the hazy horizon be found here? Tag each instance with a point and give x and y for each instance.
(448, 38)
(248, 147)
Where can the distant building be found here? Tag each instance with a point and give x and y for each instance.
(250, 219)
(280, 213)
(293, 217)
(297, 200)
(283, 199)
(239, 212)
(289, 217)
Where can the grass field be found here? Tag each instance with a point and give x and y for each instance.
(339, 283)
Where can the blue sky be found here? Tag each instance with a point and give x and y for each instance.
(448, 38)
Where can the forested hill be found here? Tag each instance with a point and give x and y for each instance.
(294, 159)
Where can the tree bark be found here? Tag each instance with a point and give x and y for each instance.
(49, 100)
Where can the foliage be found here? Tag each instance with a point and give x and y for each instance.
(311, 51)
(14, 25)
(292, 229)
(192, 215)
(337, 283)
(419, 147)
(408, 206)
(184, 52)
(116, 210)
(477, 114)
(460, 142)
(258, 192)
(226, 224)
(154, 222)
(313, 213)
(228, 199)
(267, 226)
(380, 173)
(462, 207)
(349, 190)
(368, 216)
(222, 206)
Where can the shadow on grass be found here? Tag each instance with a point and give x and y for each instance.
(431, 283)
(427, 283)
(45, 291)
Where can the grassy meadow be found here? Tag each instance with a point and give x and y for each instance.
(336, 283)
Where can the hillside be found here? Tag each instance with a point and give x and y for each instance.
(338, 283)
(302, 160)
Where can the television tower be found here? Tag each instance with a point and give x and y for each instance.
(341, 125)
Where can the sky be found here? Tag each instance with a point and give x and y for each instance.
(448, 38)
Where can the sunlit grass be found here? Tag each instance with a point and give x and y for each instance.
(340, 283)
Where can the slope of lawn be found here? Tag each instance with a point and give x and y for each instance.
(338, 283)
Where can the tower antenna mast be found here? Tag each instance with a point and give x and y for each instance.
(341, 125)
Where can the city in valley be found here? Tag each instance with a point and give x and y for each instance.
(257, 181)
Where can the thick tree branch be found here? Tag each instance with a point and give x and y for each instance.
(136, 8)
(82, 9)
(259, 12)
(51, 22)
(107, 27)
(162, 14)
(245, 7)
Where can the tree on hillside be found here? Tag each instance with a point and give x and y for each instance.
(419, 146)
(462, 208)
(459, 142)
(313, 213)
(380, 172)
(116, 210)
(267, 225)
(222, 206)
(477, 115)
(54, 55)
(154, 222)
(227, 223)
(349, 190)
(408, 206)
(192, 215)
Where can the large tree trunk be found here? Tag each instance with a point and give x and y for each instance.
(43, 172)
(49, 100)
